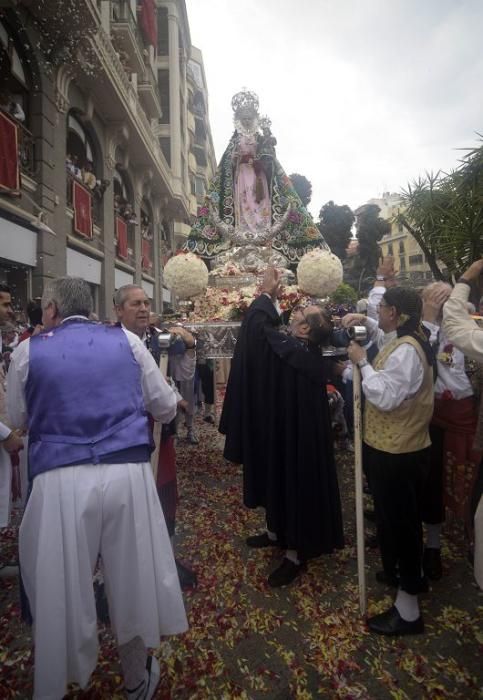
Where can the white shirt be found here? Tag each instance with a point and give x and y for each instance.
(401, 376)
(451, 366)
(459, 327)
(159, 398)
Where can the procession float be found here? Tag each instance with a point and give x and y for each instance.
(252, 217)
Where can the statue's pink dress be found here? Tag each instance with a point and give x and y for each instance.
(250, 215)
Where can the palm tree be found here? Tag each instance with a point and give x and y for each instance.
(444, 213)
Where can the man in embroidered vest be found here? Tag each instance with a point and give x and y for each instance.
(93, 494)
(465, 333)
(399, 405)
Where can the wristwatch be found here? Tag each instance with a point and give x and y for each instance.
(362, 363)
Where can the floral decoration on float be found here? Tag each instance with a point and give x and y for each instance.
(231, 304)
(186, 275)
(319, 273)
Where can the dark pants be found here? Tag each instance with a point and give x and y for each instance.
(433, 508)
(205, 373)
(397, 482)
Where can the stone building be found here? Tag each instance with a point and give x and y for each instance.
(413, 269)
(105, 143)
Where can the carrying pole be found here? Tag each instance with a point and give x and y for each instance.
(361, 570)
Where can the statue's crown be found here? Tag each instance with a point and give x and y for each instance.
(244, 103)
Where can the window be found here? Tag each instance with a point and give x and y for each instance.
(402, 263)
(163, 85)
(390, 250)
(415, 259)
(15, 84)
(401, 246)
(163, 32)
(200, 187)
(79, 150)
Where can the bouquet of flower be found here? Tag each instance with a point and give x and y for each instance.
(319, 273)
(186, 275)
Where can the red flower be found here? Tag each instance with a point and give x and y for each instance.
(448, 348)
(447, 395)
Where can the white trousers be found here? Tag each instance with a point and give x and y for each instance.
(74, 514)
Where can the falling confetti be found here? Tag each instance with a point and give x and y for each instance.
(247, 641)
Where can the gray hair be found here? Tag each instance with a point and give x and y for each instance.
(71, 295)
(122, 293)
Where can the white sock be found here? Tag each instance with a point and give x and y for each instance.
(407, 605)
(291, 555)
(433, 536)
(272, 535)
(133, 657)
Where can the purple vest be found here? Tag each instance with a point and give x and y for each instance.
(84, 399)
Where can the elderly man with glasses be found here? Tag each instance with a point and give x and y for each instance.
(398, 390)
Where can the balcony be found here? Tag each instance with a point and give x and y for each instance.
(126, 36)
(26, 151)
(149, 93)
(95, 202)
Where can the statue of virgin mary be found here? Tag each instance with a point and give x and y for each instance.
(251, 204)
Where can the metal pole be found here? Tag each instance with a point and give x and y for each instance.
(361, 570)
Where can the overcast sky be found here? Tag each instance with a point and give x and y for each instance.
(364, 95)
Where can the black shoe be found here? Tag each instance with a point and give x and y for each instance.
(209, 419)
(263, 540)
(187, 578)
(432, 563)
(391, 624)
(370, 515)
(285, 573)
(387, 579)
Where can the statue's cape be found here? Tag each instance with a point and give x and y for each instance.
(298, 236)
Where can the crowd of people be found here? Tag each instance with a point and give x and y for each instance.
(97, 456)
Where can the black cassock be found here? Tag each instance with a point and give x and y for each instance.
(277, 424)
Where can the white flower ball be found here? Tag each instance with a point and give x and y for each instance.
(319, 273)
(186, 275)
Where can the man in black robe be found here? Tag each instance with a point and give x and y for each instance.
(277, 424)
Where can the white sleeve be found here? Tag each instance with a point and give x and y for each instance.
(17, 376)
(400, 378)
(374, 333)
(4, 431)
(159, 398)
(373, 301)
(458, 327)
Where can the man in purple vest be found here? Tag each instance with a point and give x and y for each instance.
(83, 390)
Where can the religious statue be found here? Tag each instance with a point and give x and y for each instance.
(252, 215)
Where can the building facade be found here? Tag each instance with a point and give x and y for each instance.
(103, 152)
(409, 258)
